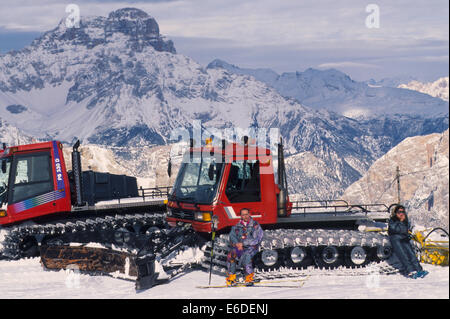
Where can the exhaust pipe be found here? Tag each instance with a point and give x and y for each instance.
(282, 197)
(76, 171)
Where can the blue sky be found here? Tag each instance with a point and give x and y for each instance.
(284, 35)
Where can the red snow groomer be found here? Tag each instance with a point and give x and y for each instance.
(35, 186)
(101, 222)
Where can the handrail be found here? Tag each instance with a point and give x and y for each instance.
(326, 201)
(331, 206)
(337, 206)
(154, 192)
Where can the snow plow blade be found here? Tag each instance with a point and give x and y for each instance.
(125, 263)
(433, 251)
(95, 260)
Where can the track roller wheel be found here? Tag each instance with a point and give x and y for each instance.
(268, 259)
(329, 257)
(298, 257)
(153, 230)
(356, 256)
(29, 247)
(383, 252)
(122, 236)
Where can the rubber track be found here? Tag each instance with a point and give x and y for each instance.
(16, 234)
(288, 238)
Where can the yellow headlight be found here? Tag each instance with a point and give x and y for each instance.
(203, 216)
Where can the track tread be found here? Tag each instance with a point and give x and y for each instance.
(283, 239)
(17, 234)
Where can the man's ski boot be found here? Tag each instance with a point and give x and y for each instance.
(231, 280)
(413, 275)
(422, 273)
(249, 279)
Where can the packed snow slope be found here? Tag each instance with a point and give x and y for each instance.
(27, 279)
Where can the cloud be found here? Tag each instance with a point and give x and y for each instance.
(284, 35)
(268, 22)
(346, 64)
(426, 58)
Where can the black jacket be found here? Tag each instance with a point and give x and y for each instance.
(399, 229)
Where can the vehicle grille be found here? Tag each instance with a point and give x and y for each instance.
(182, 214)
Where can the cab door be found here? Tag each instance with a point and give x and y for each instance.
(31, 176)
(31, 192)
(243, 190)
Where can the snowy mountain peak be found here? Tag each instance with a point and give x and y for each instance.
(325, 74)
(265, 75)
(129, 14)
(132, 27)
(218, 63)
(312, 80)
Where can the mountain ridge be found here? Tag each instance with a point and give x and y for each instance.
(334, 90)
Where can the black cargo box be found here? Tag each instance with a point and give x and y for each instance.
(105, 186)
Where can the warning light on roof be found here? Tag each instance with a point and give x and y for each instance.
(208, 142)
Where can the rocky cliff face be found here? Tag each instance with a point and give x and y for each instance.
(423, 162)
(11, 135)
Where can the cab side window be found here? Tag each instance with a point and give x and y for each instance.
(33, 176)
(243, 183)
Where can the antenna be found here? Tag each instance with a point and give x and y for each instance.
(398, 184)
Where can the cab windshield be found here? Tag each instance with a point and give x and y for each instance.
(197, 180)
(5, 164)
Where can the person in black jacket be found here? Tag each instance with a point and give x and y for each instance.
(399, 228)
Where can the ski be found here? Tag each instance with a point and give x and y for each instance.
(264, 283)
(253, 286)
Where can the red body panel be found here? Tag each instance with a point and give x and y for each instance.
(264, 211)
(56, 201)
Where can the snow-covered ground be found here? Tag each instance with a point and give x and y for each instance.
(27, 279)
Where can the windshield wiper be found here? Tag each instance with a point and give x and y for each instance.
(3, 194)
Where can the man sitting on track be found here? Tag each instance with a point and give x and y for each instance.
(245, 238)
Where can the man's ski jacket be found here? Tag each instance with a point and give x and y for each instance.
(250, 234)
